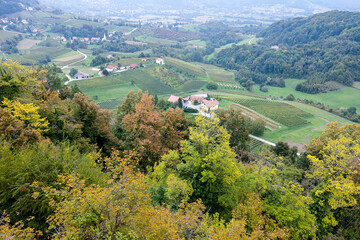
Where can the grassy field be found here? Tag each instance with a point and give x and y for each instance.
(186, 67)
(27, 44)
(5, 35)
(218, 74)
(280, 112)
(105, 88)
(197, 43)
(193, 85)
(345, 97)
(305, 133)
(297, 135)
(146, 82)
(154, 40)
(245, 41)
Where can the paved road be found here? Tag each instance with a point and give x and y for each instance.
(128, 33)
(262, 140)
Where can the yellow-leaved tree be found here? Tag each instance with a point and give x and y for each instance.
(334, 168)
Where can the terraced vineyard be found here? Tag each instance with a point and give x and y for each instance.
(280, 112)
(185, 67)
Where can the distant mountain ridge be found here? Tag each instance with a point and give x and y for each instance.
(309, 6)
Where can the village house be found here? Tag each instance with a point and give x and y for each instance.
(210, 105)
(160, 61)
(111, 68)
(173, 99)
(81, 75)
(133, 66)
(110, 56)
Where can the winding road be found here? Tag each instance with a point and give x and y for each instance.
(64, 67)
(85, 57)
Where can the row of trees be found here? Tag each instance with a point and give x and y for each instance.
(71, 170)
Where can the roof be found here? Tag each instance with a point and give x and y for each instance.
(81, 74)
(173, 99)
(196, 98)
(133, 65)
(210, 103)
(112, 67)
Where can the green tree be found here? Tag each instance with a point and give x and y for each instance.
(73, 71)
(235, 124)
(208, 163)
(212, 85)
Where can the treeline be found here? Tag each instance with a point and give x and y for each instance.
(121, 46)
(83, 32)
(9, 46)
(321, 49)
(72, 170)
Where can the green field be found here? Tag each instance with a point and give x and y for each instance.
(105, 88)
(154, 40)
(280, 112)
(186, 67)
(5, 35)
(245, 41)
(197, 43)
(311, 121)
(346, 97)
(193, 85)
(305, 133)
(218, 74)
(52, 52)
(146, 82)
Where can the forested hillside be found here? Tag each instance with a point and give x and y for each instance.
(70, 170)
(12, 6)
(324, 49)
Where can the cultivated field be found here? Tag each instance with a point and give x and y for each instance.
(218, 74)
(193, 85)
(299, 123)
(280, 112)
(186, 67)
(5, 35)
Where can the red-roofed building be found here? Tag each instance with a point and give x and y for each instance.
(111, 68)
(133, 66)
(210, 105)
(173, 99)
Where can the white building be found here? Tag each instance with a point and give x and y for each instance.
(160, 61)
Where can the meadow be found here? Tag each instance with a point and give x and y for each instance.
(345, 97)
(218, 74)
(5, 35)
(292, 122)
(280, 112)
(183, 66)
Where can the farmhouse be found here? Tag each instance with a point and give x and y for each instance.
(210, 105)
(81, 75)
(111, 68)
(133, 66)
(202, 103)
(160, 61)
(173, 99)
(110, 56)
